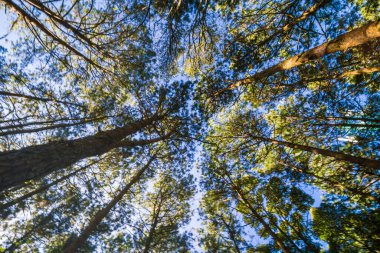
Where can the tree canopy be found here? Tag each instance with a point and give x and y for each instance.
(190, 126)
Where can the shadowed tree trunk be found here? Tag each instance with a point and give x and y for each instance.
(34, 162)
(31, 97)
(366, 162)
(261, 220)
(36, 23)
(152, 229)
(101, 214)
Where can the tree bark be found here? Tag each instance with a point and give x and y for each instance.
(366, 162)
(350, 39)
(102, 213)
(34, 162)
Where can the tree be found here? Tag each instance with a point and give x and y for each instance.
(29, 163)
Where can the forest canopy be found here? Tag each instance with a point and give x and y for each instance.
(190, 126)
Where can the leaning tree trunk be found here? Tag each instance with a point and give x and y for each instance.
(36, 23)
(280, 243)
(152, 230)
(350, 39)
(34, 162)
(102, 213)
(365, 162)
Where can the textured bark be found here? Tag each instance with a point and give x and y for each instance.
(35, 162)
(102, 213)
(350, 39)
(366, 162)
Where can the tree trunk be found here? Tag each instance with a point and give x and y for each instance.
(152, 229)
(34, 162)
(101, 214)
(350, 39)
(366, 162)
(350, 125)
(260, 219)
(31, 97)
(36, 23)
(39, 5)
(331, 182)
(39, 129)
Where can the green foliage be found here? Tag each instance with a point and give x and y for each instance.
(244, 146)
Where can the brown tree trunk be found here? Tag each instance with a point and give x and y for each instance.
(232, 233)
(306, 14)
(330, 180)
(152, 229)
(350, 125)
(261, 220)
(101, 214)
(34, 162)
(39, 5)
(350, 39)
(366, 162)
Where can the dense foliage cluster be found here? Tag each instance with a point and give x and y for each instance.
(190, 126)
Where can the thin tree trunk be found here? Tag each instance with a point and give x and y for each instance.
(306, 14)
(260, 219)
(33, 123)
(348, 125)
(303, 83)
(34, 162)
(366, 162)
(39, 5)
(351, 118)
(231, 232)
(34, 130)
(329, 180)
(36, 23)
(282, 30)
(152, 229)
(350, 39)
(31, 97)
(361, 71)
(101, 214)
